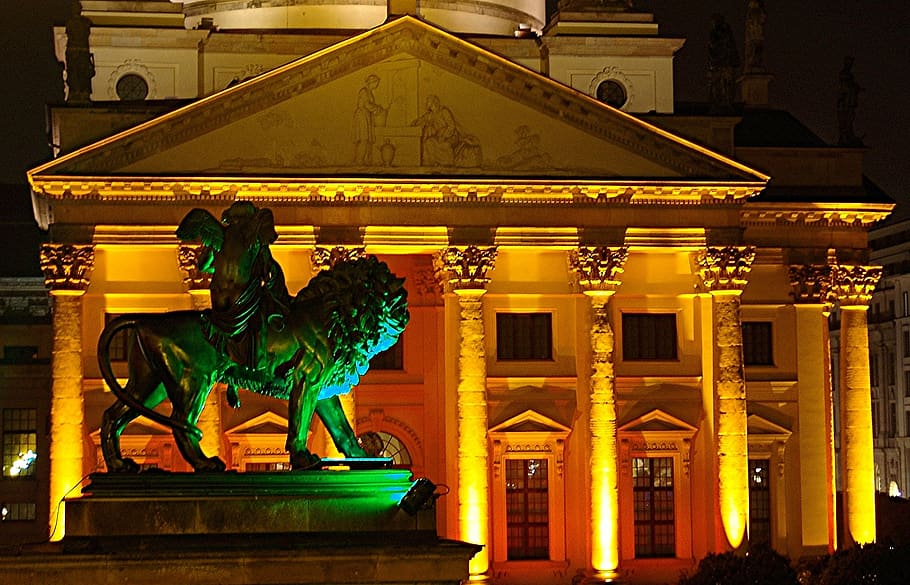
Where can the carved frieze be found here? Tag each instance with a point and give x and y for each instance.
(598, 268)
(188, 259)
(725, 268)
(67, 267)
(325, 258)
(465, 268)
(852, 285)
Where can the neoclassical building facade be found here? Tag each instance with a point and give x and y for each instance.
(618, 359)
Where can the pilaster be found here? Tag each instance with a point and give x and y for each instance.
(852, 285)
(723, 272)
(463, 271)
(598, 270)
(66, 270)
(811, 286)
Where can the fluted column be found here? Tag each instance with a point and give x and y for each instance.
(464, 272)
(853, 285)
(324, 258)
(197, 284)
(66, 273)
(723, 272)
(811, 286)
(597, 270)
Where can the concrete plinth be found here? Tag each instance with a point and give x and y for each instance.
(244, 529)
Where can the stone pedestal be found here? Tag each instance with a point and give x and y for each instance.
(284, 528)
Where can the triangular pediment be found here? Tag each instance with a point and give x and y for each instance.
(403, 100)
(530, 421)
(267, 423)
(657, 421)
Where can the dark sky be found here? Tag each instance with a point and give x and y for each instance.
(806, 42)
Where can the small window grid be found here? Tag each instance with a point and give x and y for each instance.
(267, 466)
(527, 509)
(117, 350)
(758, 343)
(18, 512)
(20, 442)
(654, 513)
(391, 446)
(759, 501)
(524, 336)
(649, 336)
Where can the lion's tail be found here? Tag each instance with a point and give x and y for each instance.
(107, 372)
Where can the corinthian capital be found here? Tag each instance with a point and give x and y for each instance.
(188, 258)
(725, 268)
(598, 268)
(811, 283)
(67, 267)
(325, 258)
(852, 285)
(465, 268)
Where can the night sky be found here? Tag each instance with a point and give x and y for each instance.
(805, 43)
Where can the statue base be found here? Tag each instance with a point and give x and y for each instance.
(330, 527)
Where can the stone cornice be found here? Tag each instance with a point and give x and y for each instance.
(860, 215)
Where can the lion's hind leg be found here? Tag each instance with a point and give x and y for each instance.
(188, 399)
(146, 390)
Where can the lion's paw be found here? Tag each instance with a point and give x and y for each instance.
(213, 464)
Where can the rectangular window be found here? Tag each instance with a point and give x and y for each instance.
(20, 354)
(873, 369)
(647, 336)
(18, 512)
(20, 435)
(118, 342)
(390, 359)
(759, 501)
(527, 509)
(906, 336)
(906, 298)
(876, 425)
(906, 383)
(892, 420)
(907, 423)
(524, 336)
(655, 518)
(757, 344)
(889, 369)
(276, 466)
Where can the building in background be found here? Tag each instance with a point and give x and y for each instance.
(618, 358)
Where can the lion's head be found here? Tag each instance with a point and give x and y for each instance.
(363, 307)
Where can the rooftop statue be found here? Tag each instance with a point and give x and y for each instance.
(306, 349)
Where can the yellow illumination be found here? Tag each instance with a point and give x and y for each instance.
(67, 409)
(856, 427)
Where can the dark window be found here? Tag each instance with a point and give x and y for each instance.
(873, 370)
(876, 425)
(889, 368)
(906, 342)
(277, 466)
(647, 336)
(527, 515)
(390, 359)
(132, 87)
(524, 336)
(759, 501)
(612, 93)
(655, 518)
(18, 511)
(892, 420)
(117, 351)
(757, 344)
(19, 442)
(20, 354)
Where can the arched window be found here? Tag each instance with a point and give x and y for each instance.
(388, 445)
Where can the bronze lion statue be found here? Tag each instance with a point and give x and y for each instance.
(306, 349)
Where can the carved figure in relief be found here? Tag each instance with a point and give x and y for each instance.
(527, 153)
(442, 144)
(364, 121)
(306, 349)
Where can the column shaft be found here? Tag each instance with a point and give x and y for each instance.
(732, 441)
(856, 427)
(603, 458)
(473, 483)
(67, 411)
